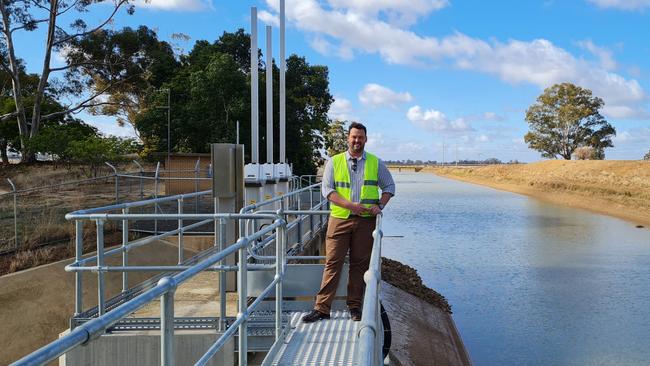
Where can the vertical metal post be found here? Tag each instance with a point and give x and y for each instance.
(100, 263)
(254, 89)
(196, 184)
(279, 274)
(237, 139)
(117, 184)
(222, 276)
(269, 95)
(180, 231)
(13, 187)
(283, 67)
(242, 305)
(141, 175)
(155, 195)
(125, 252)
(169, 122)
(79, 247)
(167, 354)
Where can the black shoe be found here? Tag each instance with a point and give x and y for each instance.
(355, 314)
(314, 316)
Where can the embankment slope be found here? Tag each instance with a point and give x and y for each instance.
(612, 187)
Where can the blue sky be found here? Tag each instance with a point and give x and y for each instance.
(423, 74)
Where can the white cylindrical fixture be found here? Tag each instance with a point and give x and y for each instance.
(283, 121)
(269, 95)
(255, 123)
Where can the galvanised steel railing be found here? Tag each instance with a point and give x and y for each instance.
(370, 334)
(166, 287)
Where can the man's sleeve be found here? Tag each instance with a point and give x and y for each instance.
(385, 179)
(327, 186)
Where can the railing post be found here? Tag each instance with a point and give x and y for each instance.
(125, 252)
(180, 231)
(100, 263)
(79, 247)
(279, 274)
(222, 277)
(13, 187)
(167, 354)
(155, 195)
(242, 305)
(196, 184)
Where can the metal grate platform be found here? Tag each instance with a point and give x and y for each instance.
(326, 342)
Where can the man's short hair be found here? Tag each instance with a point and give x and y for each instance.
(358, 126)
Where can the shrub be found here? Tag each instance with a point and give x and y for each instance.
(647, 156)
(584, 153)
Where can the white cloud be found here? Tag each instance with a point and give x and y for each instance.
(182, 5)
(360, 27)
(375, 95)
(604, 55)
(633, 136)
(622, 4)
(341, 109)
(492, 116)
(436, 121)
(401, 12)
(268, 18)
(482, 138)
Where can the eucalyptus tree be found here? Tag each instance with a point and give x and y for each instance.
(101, 65)
(566, 117)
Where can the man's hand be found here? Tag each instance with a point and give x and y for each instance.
(374, 210)
(358, 209)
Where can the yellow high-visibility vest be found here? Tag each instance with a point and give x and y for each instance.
(369, 190)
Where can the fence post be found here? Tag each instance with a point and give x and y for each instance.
(117, 182)
(125, 253)
(141, 174)
(13, 187)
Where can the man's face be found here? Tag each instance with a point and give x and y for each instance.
(356, 140)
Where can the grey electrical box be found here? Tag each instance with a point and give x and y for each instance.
(227, 170)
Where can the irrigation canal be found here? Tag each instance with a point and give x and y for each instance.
(529, 282)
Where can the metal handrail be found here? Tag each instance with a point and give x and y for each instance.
(370, 334)
(165, 291)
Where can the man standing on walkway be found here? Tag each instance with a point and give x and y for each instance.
(351, 182)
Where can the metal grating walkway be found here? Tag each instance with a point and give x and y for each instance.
(327, 342)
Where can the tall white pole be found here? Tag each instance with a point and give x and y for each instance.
(269, 95)
(255, 122)
(283, 121)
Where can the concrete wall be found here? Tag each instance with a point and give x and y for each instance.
(143, 349)
(36, 304)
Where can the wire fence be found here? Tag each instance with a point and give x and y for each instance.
(34, 217)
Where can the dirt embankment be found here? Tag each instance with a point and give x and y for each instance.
(616, 188)
(407, 279)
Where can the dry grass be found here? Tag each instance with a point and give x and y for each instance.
(620, 188)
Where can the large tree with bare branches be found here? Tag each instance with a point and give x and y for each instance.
(95, 66)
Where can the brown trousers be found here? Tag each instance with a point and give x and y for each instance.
(354, 235)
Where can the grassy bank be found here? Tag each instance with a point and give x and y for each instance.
(617, 188)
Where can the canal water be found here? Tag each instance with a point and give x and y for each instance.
(530, 283)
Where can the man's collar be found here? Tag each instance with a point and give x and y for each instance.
(349, 157)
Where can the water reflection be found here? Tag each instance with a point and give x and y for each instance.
(530, 282)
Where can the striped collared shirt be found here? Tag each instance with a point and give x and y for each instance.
(385, 179)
